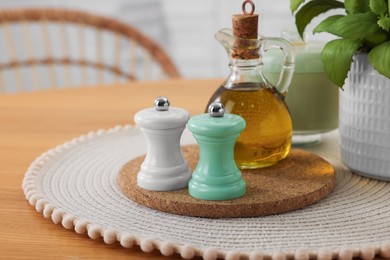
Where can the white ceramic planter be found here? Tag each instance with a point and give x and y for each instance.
(365, 121)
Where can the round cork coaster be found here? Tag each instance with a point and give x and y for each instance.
(296, 182)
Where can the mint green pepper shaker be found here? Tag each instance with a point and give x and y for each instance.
(216, 177)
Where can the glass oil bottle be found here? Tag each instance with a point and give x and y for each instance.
(247, 93)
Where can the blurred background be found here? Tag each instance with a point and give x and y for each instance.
(185, 29)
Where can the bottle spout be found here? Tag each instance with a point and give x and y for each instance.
(239, 48)
(226, 39)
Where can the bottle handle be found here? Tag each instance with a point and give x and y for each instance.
(287, 70)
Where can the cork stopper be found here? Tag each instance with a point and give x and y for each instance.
(245, 28)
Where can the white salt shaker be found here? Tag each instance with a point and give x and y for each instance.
(164, 168)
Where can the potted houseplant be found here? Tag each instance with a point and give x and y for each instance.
(358, 61)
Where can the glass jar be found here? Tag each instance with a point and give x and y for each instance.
(312, 97)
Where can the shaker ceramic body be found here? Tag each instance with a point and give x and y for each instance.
(164, 168)
(216, 176)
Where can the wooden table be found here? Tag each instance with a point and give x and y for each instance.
(31, 123)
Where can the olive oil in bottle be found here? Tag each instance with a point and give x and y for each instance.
(267, 136)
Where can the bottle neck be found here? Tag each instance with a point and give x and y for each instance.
(245, 72)
(245, 63)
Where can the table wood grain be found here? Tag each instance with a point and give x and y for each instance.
(31, 123)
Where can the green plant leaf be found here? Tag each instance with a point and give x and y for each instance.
(313, 8)
(356, 6)
(327, 24)
(379, 58)
(337, 57)
(384, 23)
(294, 4)
(378, 7)
(355, 26)
(376, 39)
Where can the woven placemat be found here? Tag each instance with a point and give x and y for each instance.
(301, 179)
(76, 184)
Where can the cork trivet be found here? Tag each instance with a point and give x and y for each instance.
(298, 181)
